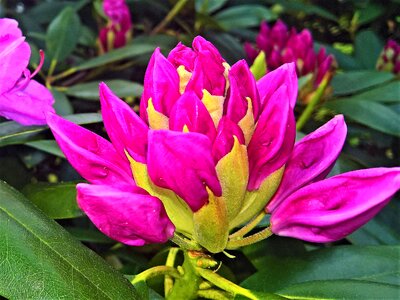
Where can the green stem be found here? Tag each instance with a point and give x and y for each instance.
(63, 74)
(248, 227)
(259, 236)
(187, 285)
(170, 16)
(316, 97)
(154, 272)
(225, 284)
(213, 294)
(168, 280)
(184, 243)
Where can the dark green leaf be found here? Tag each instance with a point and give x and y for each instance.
(130, 51)
(40, 260)
(56, 200)
(388, 93)
(243, 16)
(63, 34)
(208, 6)
(341, 289)
(368, 113)
(336, 263)
(49, 146)
(260, 253)
(62, 105)
(355, 81)
(383, 229)
(368, 46)
(369, 13)
(13, 133)
(90, 90)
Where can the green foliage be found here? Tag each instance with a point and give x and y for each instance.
(39, 259)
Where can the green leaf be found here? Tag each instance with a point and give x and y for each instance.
(331, 264)
(13, 133)
(388, 93)
(242, 16)
(56, 200)
(370, 13)
(40, 260)
(368, 47)
(130, 51)
(208, 6)
(383, 229)
(63, 34)
(49, 146)
(90, 90)
(368, 113)
(62, 105)
(341, 289)
(355, 81)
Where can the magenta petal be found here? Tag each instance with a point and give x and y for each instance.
(183, 163)
(224, 141)
(92, 156)
(273, 138)
(312, 157)
(161, 84)
(284, 75)
(190, 111)
(125, 128)
(182, 56)
(331, 209)
(14, 57)
(27, 106)
(242, 85)
(208, 71)
(132, 217)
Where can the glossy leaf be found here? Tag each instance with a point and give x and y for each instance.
(49, 146)
(40, 260)
(368, 46)
(336, 263)
(63, 34)
(242, 16)
(90, 90)
(341, 289)
(57, 201)
(130, 51)
(368, 113)
(388, 93)
(355, 81)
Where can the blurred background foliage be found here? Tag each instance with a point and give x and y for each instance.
(354, 31)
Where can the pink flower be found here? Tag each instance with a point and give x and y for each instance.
(211, 146)
(21, 98)
(389, 60)
(282, 45)
(119, 28)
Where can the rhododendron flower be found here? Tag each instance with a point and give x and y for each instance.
(118, 31)
(389, 60)
(212, 146)
(282, 45)
(21, 98)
